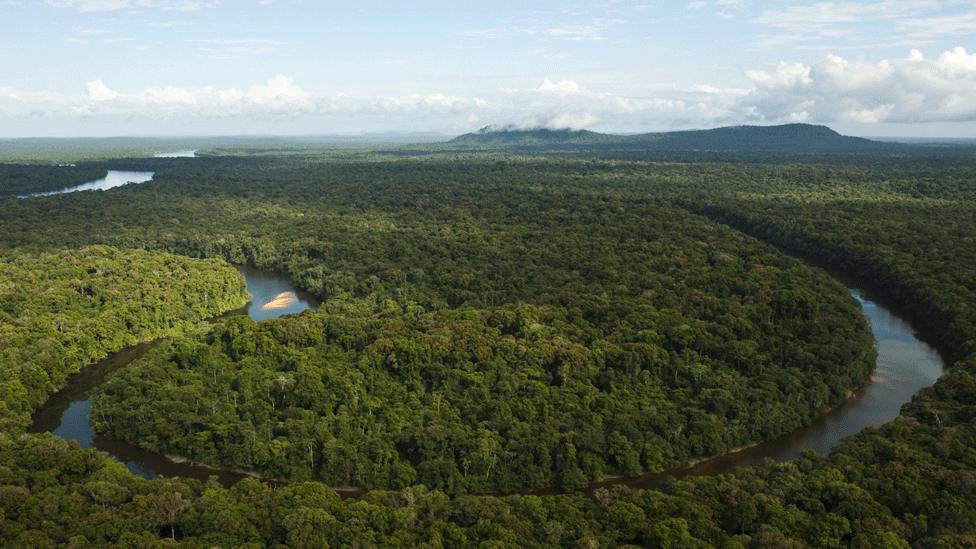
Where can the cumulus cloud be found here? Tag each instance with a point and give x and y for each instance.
(98, 91)
(786, 76)
(278, 96)
(913, 88)
(561, 87)
(910, 89)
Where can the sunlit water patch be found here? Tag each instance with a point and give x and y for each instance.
(905, 364)
(68, 412)
(177, 154)
(114, 178)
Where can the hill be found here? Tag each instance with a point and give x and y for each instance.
(506, 137)
(792, 138)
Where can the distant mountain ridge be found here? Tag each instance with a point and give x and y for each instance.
(781, 138)
(512, 136)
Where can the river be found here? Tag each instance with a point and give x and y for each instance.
(66, 413)
(114, 178)
(905, 365)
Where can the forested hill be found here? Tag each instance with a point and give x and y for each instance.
(494, 137)
(791, 138)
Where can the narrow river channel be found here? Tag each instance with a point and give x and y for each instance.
(66, 413)
(905, 365)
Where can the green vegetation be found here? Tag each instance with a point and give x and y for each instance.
(437, 271)
(62, 310)
(643, 338)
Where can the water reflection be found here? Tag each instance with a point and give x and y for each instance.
(67, 413)
(273, 295)
(112, 179)
(905, 365)
(177, 154)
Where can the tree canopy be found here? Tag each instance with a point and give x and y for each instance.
(494, 322)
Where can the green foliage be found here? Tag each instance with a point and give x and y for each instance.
(436, 270)
(502, 339)
(62, 310)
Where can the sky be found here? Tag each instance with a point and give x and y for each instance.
(295, 67)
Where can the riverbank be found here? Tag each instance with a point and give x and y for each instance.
(869, 405)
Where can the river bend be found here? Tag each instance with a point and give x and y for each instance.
(905, 365)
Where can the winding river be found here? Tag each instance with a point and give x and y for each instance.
(66, 413)
(905, 365)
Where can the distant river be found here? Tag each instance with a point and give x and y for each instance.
(111, 180)
(177, 154)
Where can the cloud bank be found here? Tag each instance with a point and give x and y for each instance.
(833, 89)
(908, 90)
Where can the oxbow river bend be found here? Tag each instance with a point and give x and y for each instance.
(66, 413)
(905, 365)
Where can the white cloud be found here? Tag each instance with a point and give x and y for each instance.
(712, 90)
(170, 95)
(786, 75)
(573, 121)
(911, 89)
(279, 94)
(590, 32)
(937, 26)
(561, 87)
(726, 9)
(898, 22)
(831, 17)
(98, 91)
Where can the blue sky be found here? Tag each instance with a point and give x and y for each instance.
(206, 67)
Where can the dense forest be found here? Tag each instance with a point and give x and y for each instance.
(733, 345)
(589, 302)
(64, 309)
